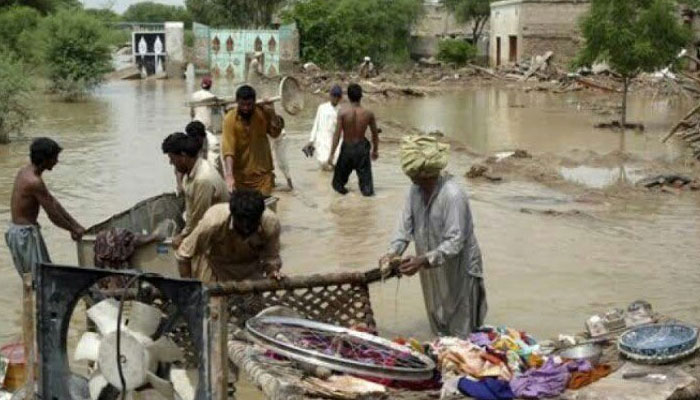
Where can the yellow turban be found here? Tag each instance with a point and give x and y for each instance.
(423, 156)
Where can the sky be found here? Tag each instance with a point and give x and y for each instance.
(119, 6)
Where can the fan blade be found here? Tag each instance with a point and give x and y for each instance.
(165, 388)
(96, 385)
(144, 318)
(165, 350)
(88, 347)
(104, 315)
(185, 382)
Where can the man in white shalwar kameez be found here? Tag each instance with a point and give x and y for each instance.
(437, 218)
(321, 138)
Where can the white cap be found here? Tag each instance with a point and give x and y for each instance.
(368, 59)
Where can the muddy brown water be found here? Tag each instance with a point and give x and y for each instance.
(545, 275)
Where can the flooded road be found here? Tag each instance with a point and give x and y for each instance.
(543, 274)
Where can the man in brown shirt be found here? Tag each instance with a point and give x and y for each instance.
(202, 185)
(245, 146)
(235, 241)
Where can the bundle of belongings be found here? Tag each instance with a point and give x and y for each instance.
(503, 363)
(114, 247)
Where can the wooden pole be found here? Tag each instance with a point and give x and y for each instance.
(595, 85)
(687, 76)
(485, 71)
(219, 347)
(680, 123)
(294, 282)
(28, 334)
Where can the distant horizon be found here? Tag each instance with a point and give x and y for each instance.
(119, 6)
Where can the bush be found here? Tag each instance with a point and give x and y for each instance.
(458, 52)
(76, 52)
(17, 25)
(189, 38)
(340, 33)
(15, 87)
(148, 11)
(118, 37)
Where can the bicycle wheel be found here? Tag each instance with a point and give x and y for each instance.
(339, 349)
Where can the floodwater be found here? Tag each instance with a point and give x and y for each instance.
(544, 274)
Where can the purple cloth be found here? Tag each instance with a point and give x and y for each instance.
(579, 366)
(488, 389)
(548, 381)
(480, 339)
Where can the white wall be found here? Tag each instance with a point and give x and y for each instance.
(505, 22)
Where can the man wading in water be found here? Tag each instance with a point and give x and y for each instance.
(24, 238)
(355, 151)
(437, 218)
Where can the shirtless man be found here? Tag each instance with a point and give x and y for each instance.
(355, 154)
(24, 238)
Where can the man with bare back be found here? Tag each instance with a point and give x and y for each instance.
(356, 152)
(29, 193)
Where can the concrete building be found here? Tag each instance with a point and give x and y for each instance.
(521, 29)
(227, 53)
(436, 24)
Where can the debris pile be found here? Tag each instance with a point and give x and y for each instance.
(670, 183)
(688, 130)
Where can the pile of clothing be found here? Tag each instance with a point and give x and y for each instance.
(503, 363)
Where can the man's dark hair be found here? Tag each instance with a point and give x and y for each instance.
(179, 143)
(43, 149)
(197, 130)
(245, 92)
(354, 92)
(247, 207)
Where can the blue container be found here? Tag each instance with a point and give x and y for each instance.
(658, 341)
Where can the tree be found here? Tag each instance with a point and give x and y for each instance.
(234, 13)
(632, 36)
(17, 25)
(76, 52)
(340, 33)
(43, 6)
(148, 11)
(15, 87)
(474, 12)
(105, 15)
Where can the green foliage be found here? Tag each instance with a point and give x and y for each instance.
(689, 3)
(43, 6)
(148, 11)
(105, 15)
(118, 37)
(632, 36)
(474, 12)
(76, 52)
(456, 51)
(15, 87)
(114, 36)
(189, 38)
(340, 33)
(17, 24)
(234, 13)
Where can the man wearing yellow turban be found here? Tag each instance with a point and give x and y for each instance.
(437, 218)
